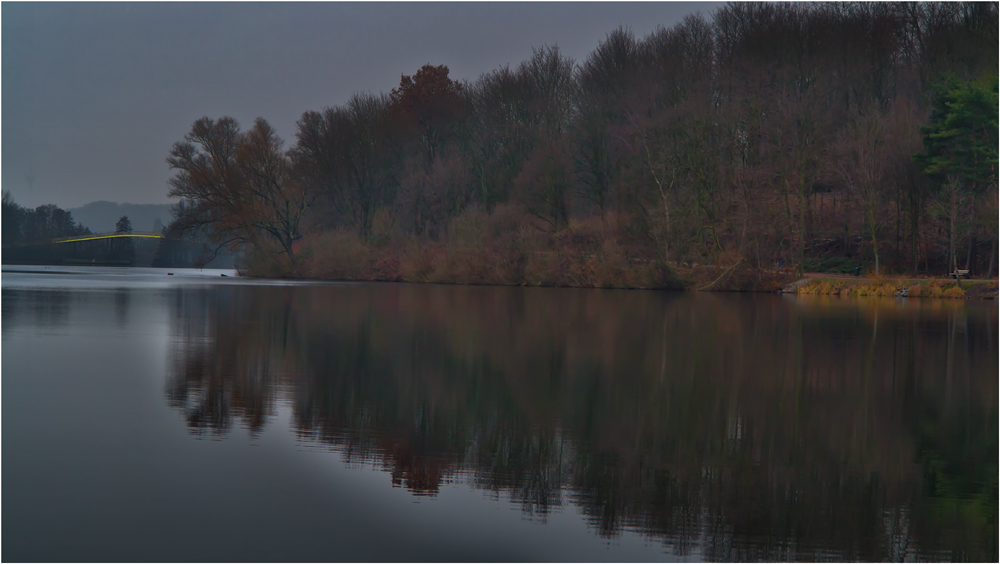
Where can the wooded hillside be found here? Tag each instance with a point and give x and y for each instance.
(760, 138)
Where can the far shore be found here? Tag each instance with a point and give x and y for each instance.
(700, 278)
(709, 280)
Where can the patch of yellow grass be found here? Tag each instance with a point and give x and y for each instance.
(822, 287)
(877, 289)
(954, 292)
(881, 288)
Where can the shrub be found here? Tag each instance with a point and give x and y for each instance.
(954, 292)
(335, 255)
(469, 229)
(266, 261)
(419, 261)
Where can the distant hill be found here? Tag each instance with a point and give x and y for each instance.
(101, 217)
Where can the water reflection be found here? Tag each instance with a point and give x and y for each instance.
(44, 309)
(732, 427)
(121, 307)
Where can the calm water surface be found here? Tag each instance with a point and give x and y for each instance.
(196, 417)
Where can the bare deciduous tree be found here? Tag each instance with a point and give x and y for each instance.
(239, 185)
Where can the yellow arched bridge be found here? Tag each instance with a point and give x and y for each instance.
(97, 237)
(95, 248)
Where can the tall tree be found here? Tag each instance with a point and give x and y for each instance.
(428, 103)
(862, 165)
(123, 226)
(123, 248)
(496, 136)
(545, 181)
(604, 81)
(350, 153)
(239, 185)
(960, 147)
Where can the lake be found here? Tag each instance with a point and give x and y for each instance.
(201, 417)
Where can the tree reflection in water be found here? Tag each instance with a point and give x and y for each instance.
(46, 308)
(742, 427)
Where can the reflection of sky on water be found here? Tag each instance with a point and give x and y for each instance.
(105, 467)
(406, 422)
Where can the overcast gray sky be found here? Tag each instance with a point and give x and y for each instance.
(93, 95)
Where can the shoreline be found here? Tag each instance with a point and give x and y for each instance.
(893, 287)
(816, 284)
(693, 280)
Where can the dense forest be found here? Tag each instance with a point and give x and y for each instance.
(28, 234)
(733, 149)
(30, 237)
(23, 225)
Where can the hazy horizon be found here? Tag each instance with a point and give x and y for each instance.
(95, 94)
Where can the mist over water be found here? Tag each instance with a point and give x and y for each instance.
(206, 418)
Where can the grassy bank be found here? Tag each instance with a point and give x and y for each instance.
(889, 287)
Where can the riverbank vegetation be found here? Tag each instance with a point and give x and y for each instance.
(731, 151)
(897, 287)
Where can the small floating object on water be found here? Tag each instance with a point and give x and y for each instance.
(223, 275)
(170, 274)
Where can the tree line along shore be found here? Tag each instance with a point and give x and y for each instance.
(731, 151)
